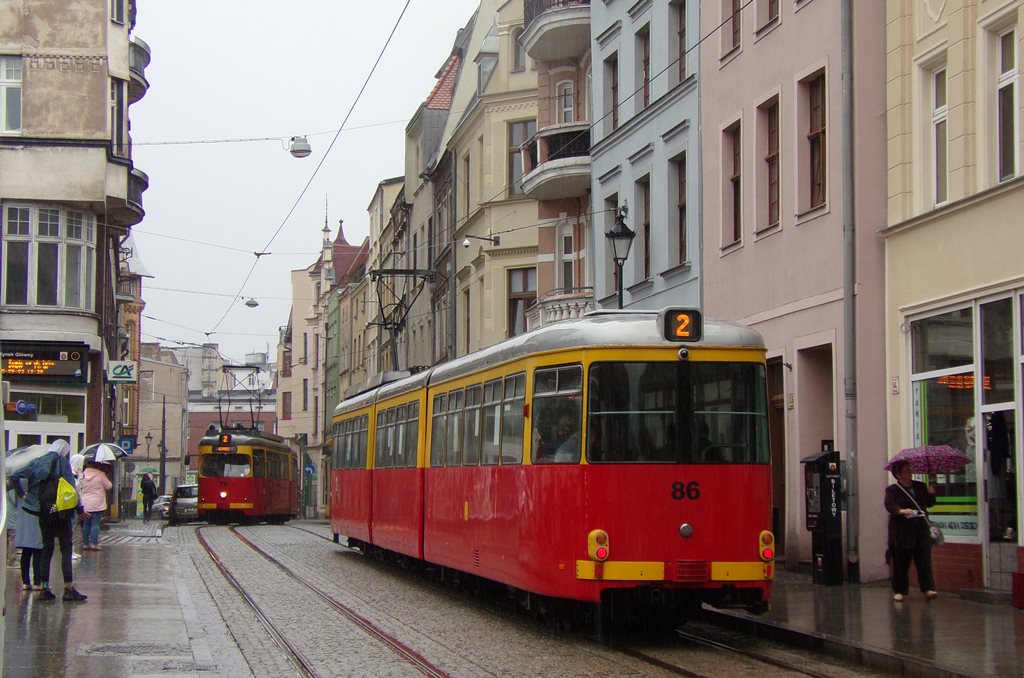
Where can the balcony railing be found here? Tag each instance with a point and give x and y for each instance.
(534, 8)
(560, 304)
(138, 58)
(556, 162)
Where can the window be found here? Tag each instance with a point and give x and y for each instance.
(939, 114)
(568, 258)
(1006, 106)
(117, 117)
(678, 171)
(557, 415)
(731, 21)
(472, 430)
(611, 210)
(816, 139)
(732, 207)
(10, 94)
(305, 395)
(50, 263)
(518, 50)
(522, 294)
(767, 12)
(677, 10)
(643, 189)
(491, 443)
(117, 11)
(768, 181)
(643, 65)
(518, 134)
(611, 95)
(512, 420)
(286, 405)
(564, 101)
(466, 170)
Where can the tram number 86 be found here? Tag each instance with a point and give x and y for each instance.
(681, 490)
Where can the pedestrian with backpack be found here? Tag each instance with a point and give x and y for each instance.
(52, 484)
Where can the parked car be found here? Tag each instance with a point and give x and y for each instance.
(162, 505)
(184, 503)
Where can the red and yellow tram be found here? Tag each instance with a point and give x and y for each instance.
(619, 456)
(247, 476)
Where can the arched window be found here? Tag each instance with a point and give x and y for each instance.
(564, 109)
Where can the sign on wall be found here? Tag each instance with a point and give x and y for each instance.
(44, 362)
(122, 372)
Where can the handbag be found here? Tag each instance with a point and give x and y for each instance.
(934, 531)
(67, 496)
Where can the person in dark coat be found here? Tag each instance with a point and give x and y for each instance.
(909, 537)
(52, 525)
(148, 488)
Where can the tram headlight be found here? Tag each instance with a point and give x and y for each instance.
(223, 494)
(597, 545)
(766, 546)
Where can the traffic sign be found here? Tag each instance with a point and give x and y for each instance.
(127, 444)
(309, 470)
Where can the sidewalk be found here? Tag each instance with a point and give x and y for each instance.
(948, 636)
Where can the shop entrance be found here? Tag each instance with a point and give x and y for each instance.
(1001, 497)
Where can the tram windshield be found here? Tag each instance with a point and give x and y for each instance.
(683, 412)
(225, 466)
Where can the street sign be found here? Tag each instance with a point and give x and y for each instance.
(309, 470)
(127, 444)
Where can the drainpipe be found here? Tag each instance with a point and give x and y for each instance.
(849, 301)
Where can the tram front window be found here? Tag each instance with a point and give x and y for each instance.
(685, 412)
(225, 466)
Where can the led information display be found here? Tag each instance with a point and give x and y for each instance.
(65, 363)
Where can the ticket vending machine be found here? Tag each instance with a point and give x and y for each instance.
(823, 504)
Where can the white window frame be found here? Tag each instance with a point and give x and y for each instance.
(11, 74)
(1007, 77)
(939, 98)
(565, 90)
(567, 257)
(76, 246)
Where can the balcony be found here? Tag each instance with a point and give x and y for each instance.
(556, 30)
(128, 212)
(556, 162)
(138, 59)
(560, 304)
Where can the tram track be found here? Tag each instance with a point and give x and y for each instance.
(304, 665)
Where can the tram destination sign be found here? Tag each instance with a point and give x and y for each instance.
(44, 362)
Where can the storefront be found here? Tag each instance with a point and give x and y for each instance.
(48, 393)
(965, 365)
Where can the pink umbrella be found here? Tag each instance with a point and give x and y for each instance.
(932, 459)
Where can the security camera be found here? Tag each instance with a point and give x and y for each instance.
(465, 243)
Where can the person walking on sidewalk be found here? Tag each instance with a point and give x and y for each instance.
(148, 488)
(51, 523)
(95, 485)
(909, 538)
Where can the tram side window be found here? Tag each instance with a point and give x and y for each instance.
(730, 405)
(364, 422)
(490, 449)
(412, 434)
(259, 464)
(557, 413)
(512, 419)
(399, 437)
(454, 437)
(389, 440)
(437, 430)
(471, 427)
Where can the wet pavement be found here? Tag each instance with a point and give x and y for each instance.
(149, 613)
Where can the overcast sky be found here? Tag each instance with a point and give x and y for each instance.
(257, 69)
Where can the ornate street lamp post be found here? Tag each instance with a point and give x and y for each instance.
(621, 239)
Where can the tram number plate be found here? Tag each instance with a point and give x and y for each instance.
(683, 490)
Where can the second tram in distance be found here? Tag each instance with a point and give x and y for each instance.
(247, 476)
(620, 458)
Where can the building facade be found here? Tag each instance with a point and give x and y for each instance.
(776, 214)
(69, 195)
(954, 280)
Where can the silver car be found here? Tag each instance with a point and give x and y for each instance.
(184, 504)
(162, 505)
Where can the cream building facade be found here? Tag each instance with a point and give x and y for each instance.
(953, 270)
